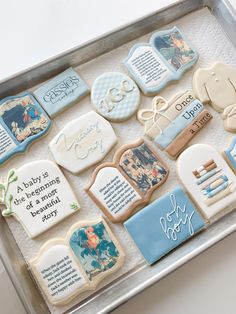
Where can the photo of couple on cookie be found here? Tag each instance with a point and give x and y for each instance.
(142, 167)
(23, 118)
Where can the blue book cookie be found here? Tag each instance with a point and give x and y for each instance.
(164, 59)
(164, 224)
(230, 154)
(22, 120)
(61, 92)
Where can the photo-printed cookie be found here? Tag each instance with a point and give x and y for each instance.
(83, 142)
(216, 86)
(208, 179)
(165, 59)
(61, 92)
(115, 96)
(38, 196)
(173, 124)
(129, 181)
(65, 267)
(22, 120)
(164, 224)
(230, 154)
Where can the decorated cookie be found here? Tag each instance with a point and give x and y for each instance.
(208, 179)
(230, 154)
(83, 142)
(61, 92)
(173, 124)
(115, 96)
(216, 86)
(22, 120)
(165, 59)
(38, 196)
(64, 268)
(119, 187)
(164, 224)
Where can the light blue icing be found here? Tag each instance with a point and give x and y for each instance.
(164, 224)
(207, 176)
(171, 56)
(22, 120)
(115, 96)
(217, 190)
(61, 92)
(179, 124)
(230, 153)
(209, 189)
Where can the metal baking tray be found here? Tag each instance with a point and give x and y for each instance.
(143, 276)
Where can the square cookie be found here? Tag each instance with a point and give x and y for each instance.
(164, 224)
(61, 92)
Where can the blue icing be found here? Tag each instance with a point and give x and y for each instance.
(172, 54)
(115, 96)
(179, 124)
(164, 224)
(230, 153)
(61, 92)
(22, 120)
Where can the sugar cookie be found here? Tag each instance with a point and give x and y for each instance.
(208, 179)
(119, 187)
(216, 86)
(38, 196)
(66, 267)
(173, 124)
(165, 59)
(22, 120)
(230, 154)
(115, 96)
(83, 142)
(61, 92)
(164, 224)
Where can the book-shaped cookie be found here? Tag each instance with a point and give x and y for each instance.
(208, 179)
(230, 154)
(38, 196)
(172, 124)
(165, 59)
(119, 187)
(22, 120)
(164, 224)
(65, 267)
(61, 92)
(83, 142)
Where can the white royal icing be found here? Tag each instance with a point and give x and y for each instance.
(213, 197)
(83, 142)
(38, 195)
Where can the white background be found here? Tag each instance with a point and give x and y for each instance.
(32, 31)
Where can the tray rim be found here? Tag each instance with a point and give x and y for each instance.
(15, 265)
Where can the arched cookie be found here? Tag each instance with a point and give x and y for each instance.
(208, 179)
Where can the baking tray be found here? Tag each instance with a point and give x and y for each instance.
(142, 276)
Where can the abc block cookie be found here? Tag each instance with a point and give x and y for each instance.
(115, 96)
